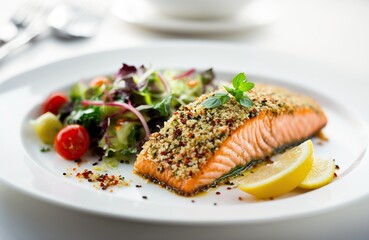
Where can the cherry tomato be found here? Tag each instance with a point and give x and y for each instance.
(72, 142)
(98, 81)
(54, 102)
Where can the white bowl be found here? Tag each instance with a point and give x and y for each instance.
(199, 9)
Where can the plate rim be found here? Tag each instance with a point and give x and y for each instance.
(60, 203)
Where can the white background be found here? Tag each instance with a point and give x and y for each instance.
(331, 33)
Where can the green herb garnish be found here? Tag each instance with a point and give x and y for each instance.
(216, 100)
(240, 86)
(45, 149)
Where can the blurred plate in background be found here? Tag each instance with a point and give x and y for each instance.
(139, 13)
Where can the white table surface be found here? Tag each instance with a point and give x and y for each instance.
(332, 33)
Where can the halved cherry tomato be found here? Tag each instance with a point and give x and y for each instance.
(98, 81)
(72, 142)
(54, 102)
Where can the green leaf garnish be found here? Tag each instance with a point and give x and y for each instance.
(238, 95)
(216, 100)
(212, 102)
(238, 80)
(240, 86)
(230, 90)
(246, 86)
(246, 101)
(220, 94)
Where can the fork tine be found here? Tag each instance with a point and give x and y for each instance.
(29, 10)
(21, 13)
(34, 11)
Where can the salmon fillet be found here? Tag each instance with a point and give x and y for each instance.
(197, 146)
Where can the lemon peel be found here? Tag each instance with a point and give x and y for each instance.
(321, 173)
(285, 173)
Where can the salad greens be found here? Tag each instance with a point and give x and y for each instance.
(120, 111)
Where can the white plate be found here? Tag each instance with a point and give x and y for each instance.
(24, 167)
(137, 12)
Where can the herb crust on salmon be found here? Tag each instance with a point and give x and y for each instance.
(197, 145)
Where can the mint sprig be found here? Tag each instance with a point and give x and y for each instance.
(240, 86)
(216, 100)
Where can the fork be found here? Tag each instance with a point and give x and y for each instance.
(27, 11)
(72, 21)
(32, 31)
(8, 31)
(21, 18)
(66, 21)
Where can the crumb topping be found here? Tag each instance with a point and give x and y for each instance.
(194, 133)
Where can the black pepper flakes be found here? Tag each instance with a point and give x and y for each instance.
(228, 183)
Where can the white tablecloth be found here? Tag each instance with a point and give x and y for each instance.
(333, 33)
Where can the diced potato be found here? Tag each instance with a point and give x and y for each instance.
(47, 126)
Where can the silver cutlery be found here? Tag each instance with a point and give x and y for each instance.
(70, 21)
(8, 30)
(22, 17)
(65, 21)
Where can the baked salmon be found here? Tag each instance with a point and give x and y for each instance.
(198, 146)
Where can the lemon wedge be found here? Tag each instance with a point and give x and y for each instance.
(320, 174)
(285, 173)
